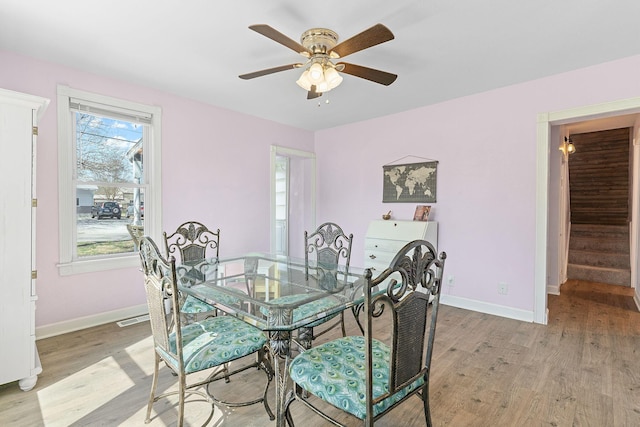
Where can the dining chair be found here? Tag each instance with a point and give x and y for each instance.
(326, 262)
(187, 349)
(326, 249)
(367, 376)
(136, 232)
(193, 242)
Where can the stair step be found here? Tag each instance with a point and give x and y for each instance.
(600, 259)
(599, 244)
(593, 230)
(599, 227)
(612, 276)
(599, 253)
(603, 234)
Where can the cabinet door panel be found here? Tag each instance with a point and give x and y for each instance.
(17, 245)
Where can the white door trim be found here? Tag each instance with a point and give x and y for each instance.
(545, 122)
(288, 152)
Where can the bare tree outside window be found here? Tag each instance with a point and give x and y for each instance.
(101, 149)
(109, 177)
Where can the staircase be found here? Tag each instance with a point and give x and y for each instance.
(599, 253)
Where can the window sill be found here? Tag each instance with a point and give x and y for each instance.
(104, 264)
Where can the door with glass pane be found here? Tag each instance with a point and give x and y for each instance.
(292, 199)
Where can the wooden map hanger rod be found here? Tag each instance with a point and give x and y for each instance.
(410, 156)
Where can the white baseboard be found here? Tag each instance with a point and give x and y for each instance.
(553, 290)
(488, 308)
(72, 325)
(139, 310)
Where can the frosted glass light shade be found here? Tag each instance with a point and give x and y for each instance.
(322, 86)
(304, 81)
(332, 77)
(316, 73)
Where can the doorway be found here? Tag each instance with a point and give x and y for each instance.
(599, 183)
(293, 199)
(549, 232)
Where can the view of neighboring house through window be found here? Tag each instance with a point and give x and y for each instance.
(109, 180)
(109, 184)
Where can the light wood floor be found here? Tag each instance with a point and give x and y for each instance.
(582, 369)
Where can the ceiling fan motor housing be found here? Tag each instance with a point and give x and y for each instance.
(319, 40)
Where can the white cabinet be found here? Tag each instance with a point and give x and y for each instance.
(18, 129)
(385, 238)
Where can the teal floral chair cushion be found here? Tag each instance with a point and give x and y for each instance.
(193, 305)
(336, 372)
(189, 277)
(227, 339)
(306, 310)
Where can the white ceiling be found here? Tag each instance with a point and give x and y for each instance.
(443, 49)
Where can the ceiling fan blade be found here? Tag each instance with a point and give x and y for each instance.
(261, 73)
(312, 94)
(277, 36)
(370, 37)
(371, 74)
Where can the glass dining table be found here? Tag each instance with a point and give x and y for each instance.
(280, 295)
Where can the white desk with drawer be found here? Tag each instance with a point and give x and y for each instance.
(385, 238)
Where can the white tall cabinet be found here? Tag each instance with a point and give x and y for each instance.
(385, 238)
(19, 114)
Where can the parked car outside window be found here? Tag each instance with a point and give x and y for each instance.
(131, 210)
(106, 209)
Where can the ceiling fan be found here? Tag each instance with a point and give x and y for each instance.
(320, 46)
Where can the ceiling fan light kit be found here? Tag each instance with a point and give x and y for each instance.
(321, 75)
(320, 46)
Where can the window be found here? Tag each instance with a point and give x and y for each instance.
(108, 167)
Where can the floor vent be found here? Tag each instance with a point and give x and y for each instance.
(133, 321)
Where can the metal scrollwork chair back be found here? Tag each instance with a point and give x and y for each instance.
(190, 243)
(199, 346)
(326, 250)
(394, 368)
(330, 245)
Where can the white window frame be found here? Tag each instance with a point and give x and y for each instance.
(67, 191)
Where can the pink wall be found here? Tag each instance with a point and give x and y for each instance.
(486, 196)
(215, 168)
(485, 145)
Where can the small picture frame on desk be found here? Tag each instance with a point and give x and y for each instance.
(422, 213)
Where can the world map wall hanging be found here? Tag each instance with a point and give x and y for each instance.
(410, 183)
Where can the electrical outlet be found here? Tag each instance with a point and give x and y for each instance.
(450, 280)
(503, 288)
